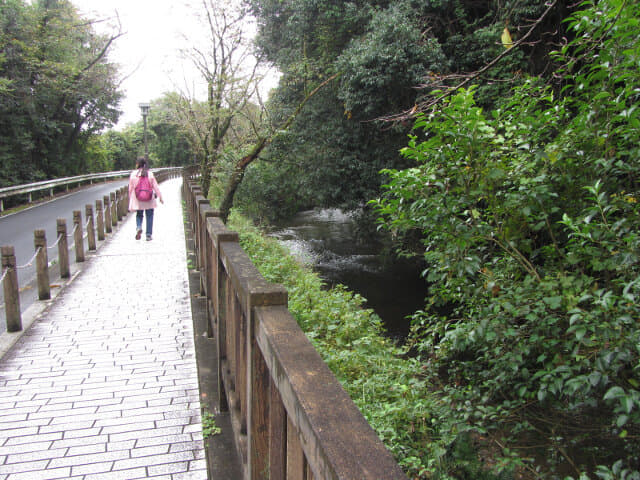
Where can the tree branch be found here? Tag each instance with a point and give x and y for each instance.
(421, 107)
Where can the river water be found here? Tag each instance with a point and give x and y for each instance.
(328, 240)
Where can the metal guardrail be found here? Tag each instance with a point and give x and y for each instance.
(29, 188)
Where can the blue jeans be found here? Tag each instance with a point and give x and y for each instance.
(149, 215)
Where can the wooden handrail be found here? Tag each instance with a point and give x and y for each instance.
(290, 416)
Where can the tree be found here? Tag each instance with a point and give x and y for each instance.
(58, 88)
(261, 143)
(231, 72)
(121, 148)
(170, 143)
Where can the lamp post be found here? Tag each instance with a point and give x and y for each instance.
(144, 107)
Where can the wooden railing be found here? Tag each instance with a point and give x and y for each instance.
(290, 416)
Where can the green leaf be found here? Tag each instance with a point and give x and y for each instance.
(553, 302)
(621, 420)
(614, 392)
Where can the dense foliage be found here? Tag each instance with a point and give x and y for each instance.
(528, 219)
(57, 88)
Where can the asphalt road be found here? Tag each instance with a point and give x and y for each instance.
(17, 230)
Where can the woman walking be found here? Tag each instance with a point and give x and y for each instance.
(143, 190)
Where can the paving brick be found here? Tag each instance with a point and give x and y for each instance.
(80, 441)
(31, 441)
(130, 474)
(36, 455)
(164, 439)
(154, 460)
(168, 468)
(117, 455)
(123, 445)
(49, 474)
(23, 467)
(25, 448)
(100, 467)
(153, 450)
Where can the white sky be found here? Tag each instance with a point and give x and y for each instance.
(148, 53)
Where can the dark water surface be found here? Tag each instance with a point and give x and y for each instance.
(327, 239)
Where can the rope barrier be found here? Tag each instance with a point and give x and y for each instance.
(30, 262)
(56, 242)
(75, 227)
(87, 224)
(4, 274)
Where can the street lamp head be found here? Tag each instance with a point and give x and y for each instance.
(144, 107)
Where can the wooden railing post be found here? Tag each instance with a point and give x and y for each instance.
(63, 249)
(42, 264)
(277, 435)
(78, 235)
(258, 383)
(205, 263)
(11, 290)
(259, 395)
(100, 220)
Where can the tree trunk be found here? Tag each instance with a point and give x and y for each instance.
(241, 166)
(238, 175)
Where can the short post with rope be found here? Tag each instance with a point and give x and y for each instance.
(107, 214)
(63, 249)
(78, 235)
(11, 289)
(114, 209)
(125, 200)
(91, 231)
(42, 264)
(117, 205)
(120, 203)
(100, 220)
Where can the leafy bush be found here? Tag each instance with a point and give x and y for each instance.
(529, 223)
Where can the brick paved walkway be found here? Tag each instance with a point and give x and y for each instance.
(104, 385)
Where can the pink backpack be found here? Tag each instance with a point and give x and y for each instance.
(144, 192)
